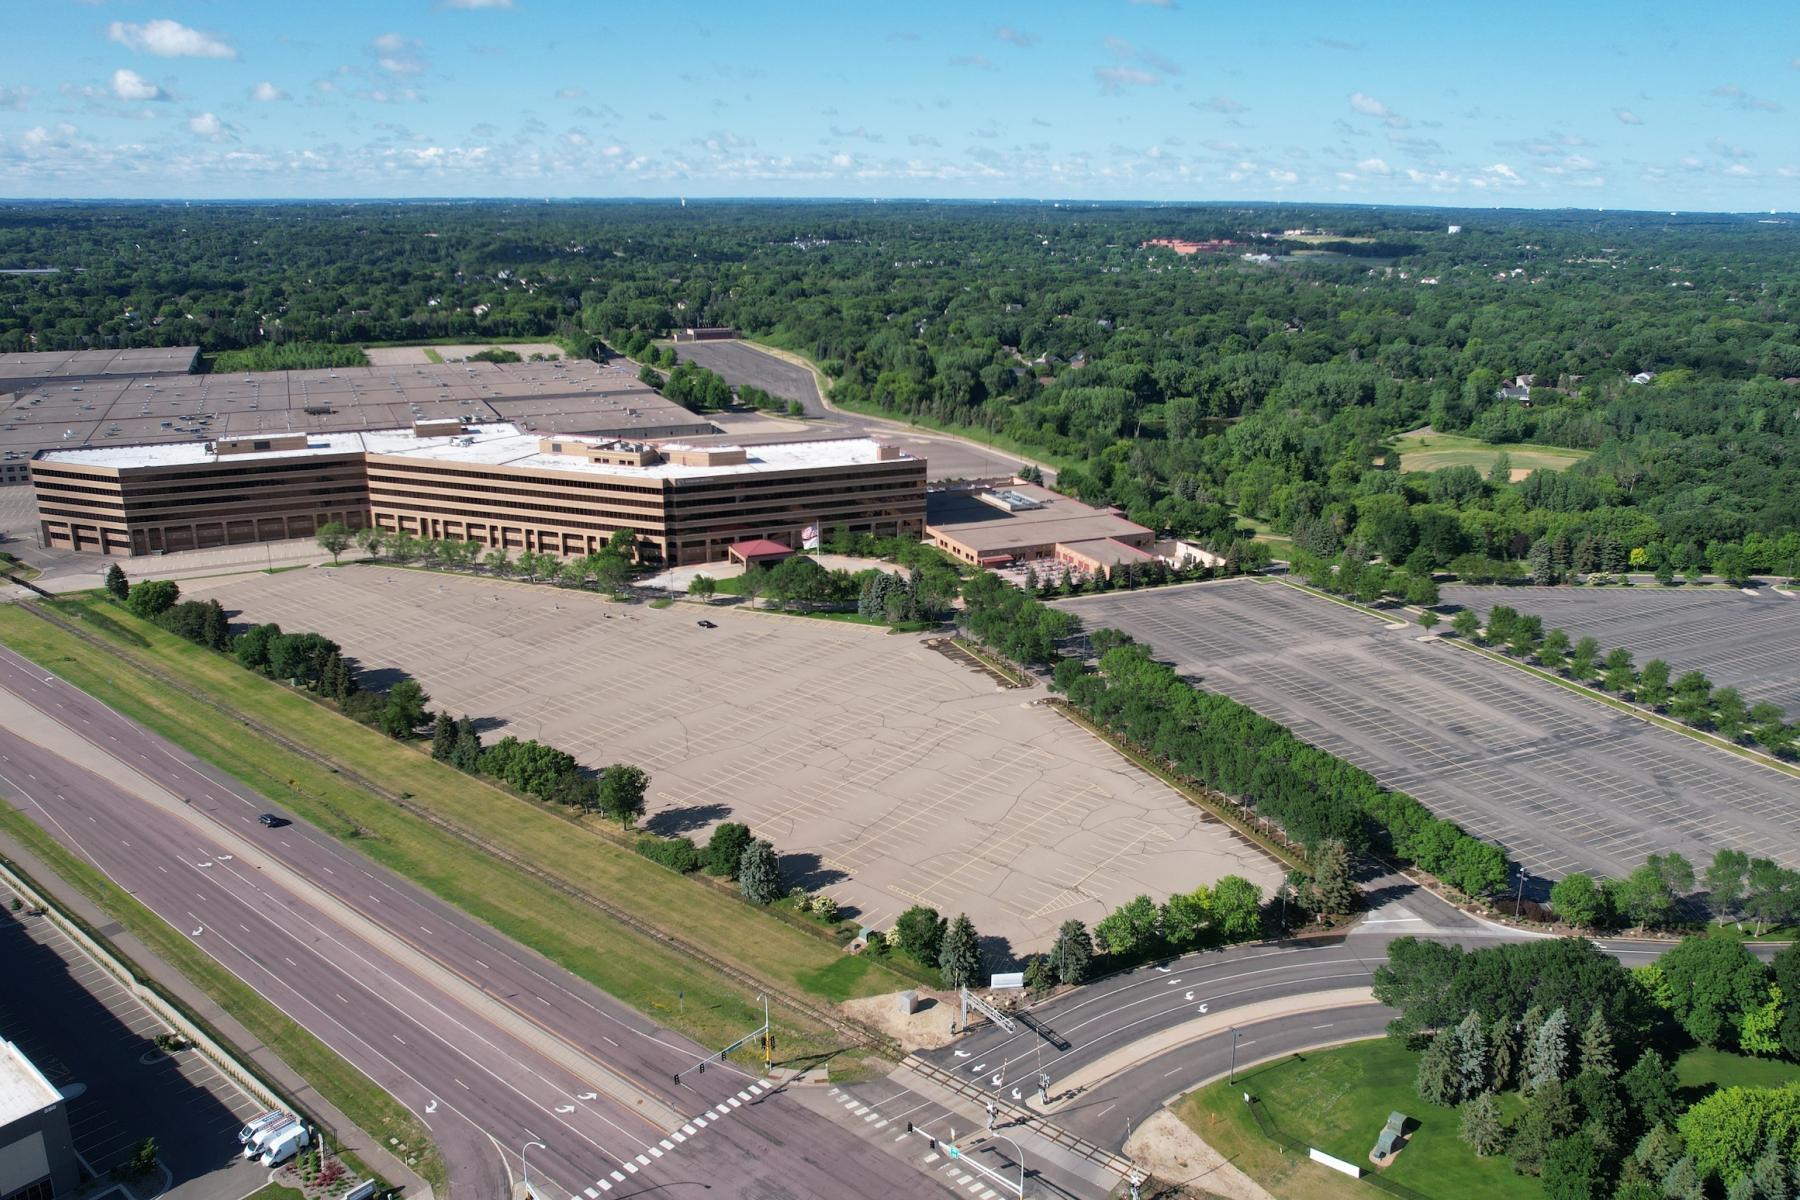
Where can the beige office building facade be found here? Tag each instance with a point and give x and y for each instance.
(495, 485)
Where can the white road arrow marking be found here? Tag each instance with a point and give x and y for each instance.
(1203, 1008)
(962, 1054)
(588, 1096)
(565, 1108)
(1189, 996)
(432, 1107)
(198, 932)
(1164, 970)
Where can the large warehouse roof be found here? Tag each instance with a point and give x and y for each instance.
(990, 528)
(23, 1088)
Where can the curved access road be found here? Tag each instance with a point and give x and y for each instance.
(490, 1045)
(1118, 1049)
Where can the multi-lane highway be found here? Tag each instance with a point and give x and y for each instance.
(489, 1044)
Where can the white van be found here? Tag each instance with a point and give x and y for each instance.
(260, 1140)
(285, 1145)
(257, 1124)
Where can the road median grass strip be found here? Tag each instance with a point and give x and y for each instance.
(354, 1094)
(696, 970)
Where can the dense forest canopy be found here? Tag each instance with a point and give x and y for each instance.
(1192, 390)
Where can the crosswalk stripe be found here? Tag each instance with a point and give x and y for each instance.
(688, 1128)
(643, 1162)
(655, 1152)
(743, 1095)
(631, 1168)
(591, 1193)
(618, 1177)
(667, 1144)
(680, 1137)
(931, 1158)
(734, 1102)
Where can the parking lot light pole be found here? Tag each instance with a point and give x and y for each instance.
(526, 1166)
(1231, 1075)
(1519, 899)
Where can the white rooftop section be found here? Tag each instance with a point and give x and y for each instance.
(513, 448)
(503, 445)
(23, 1088)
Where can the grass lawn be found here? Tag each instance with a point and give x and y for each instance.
(1709, 1070)
(274, 1191)
(14, 569)
(1337, 1100)
(580, 857)
(433, 356)
(355, 1094)
(1422, 451)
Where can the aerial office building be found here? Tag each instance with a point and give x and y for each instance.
(496, 485)
(37, 1157)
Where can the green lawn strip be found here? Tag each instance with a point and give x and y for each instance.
(1709, 1070)
(639, 970)
(992, 662)
(274, 1191)
(1337, 1100)
(1624, 706)
(354, 1094)
(433, 356)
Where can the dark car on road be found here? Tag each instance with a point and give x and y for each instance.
(706, 624)
(271, 820)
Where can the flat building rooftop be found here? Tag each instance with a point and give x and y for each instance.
(1029, 516)
(23, 1088)
(500, 444)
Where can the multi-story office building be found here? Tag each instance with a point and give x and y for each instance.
(495, 485)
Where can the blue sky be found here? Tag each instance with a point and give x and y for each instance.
(1653, 104)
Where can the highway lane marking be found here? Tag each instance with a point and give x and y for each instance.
(398, 1038)
(608, 1040)
(1327, 1025)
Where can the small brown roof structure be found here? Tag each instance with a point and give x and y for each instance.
(759, 550)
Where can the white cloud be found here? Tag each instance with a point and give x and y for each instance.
(1280, 175)
(1742, 99)
(1170, 4)
(1222, 104)
(14, 98)
(475, 4)
(267, 93)
(168, 39)
(1627, 117)
(980, 62)
(397, 54)
(1017, 37)
(1374, 166)
(1725, 149)
(208, 126)
(1368, 105)
(570, 93)
(1125, 51)
(840, 159)
(129, 85)
(1739, 170)
(577, 138)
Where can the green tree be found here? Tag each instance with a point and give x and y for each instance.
(151, 598)
(1724, 882)
(369, 539)
(1554, 653)
(959, 955)
(443, 737)
(759, 874)
(1186, 916)
(1652, 1089)
(333, 538)
(703, 587)
(1759, 1028)
(1711, 982)
(1653, 684)
(1575, 1170)
(1465, 624)
(1583, 662)
(1237, 908)
(1619, 678)
(1597, 1047)
(1131, 929)
(116, 584)
(1482, 1126)
(1730, 716)
(622, 789)
(1786, 970)
(921, 934)
(1726, 1132)
(1692, 703)
(404, 710)
(1547, 1052)
(725, 849)
(465, 755)
(1549, 1117)
(1578, 901)
(1428, 620)
(1333, 892)
(1073, 952)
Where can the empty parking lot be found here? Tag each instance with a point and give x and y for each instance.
(1563, 782)
(885, 772)
(1751, 642)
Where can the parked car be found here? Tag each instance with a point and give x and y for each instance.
(706, 624)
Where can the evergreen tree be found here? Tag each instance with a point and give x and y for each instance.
(1549, 1117)
(1333, 891)
(216, 629)
(1597, 1047)
(116, 584)
(759, 875)
(1438, 1081)
(1073, 952)
(465, 755)
(443, 736)
(1542, 571)
(1503, 1048)
(1771, 1176)
(1474, 1066)
(1482, 1127)
(1575, 1170)
(1683, 1181)
(959, 956)
(1651, 1090)
(1547, 1056)
(1657, 1151)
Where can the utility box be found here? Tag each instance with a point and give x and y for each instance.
(909, 1002)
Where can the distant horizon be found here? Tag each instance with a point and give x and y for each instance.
(1653, 106)
(957, 201)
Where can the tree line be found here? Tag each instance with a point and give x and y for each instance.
(1558, 1057)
